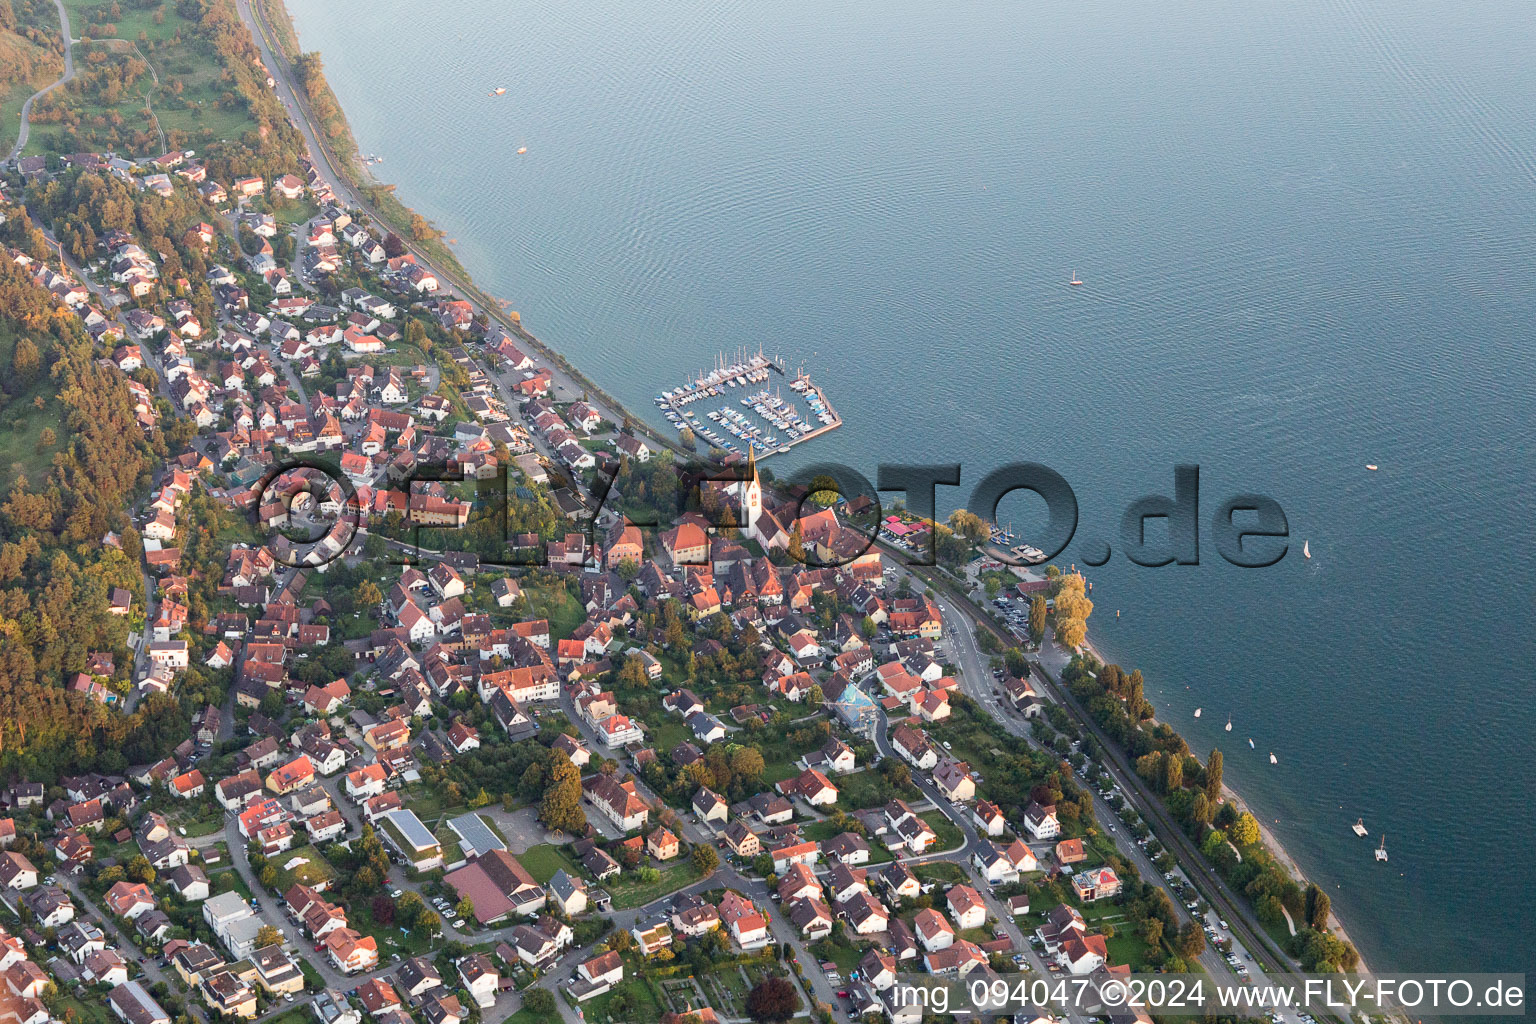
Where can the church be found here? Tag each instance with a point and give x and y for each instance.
(756, 522)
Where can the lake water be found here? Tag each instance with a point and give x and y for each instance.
(1305, 232)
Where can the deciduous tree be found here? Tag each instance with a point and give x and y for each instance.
(773, 999)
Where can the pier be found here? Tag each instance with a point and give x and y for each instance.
(763, 419)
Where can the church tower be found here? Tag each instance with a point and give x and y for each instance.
(750, 495)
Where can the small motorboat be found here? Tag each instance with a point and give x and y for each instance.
(1250, 744)
(1306, 549)
(1371, 466)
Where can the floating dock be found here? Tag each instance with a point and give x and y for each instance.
(762, 417)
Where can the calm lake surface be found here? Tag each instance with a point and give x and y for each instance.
(1305, 232)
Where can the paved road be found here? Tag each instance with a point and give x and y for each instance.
(563, 383)
(69, 73)
(726, 875)
(976, 683)
(1052, 659)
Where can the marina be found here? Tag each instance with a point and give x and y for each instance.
(739, 405)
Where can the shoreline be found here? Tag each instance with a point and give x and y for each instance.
(351, 174)
(1268, 839)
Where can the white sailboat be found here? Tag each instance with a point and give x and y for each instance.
(1306, 550)
(1273, 759)
(1229, 723)
(1381, 851)
(1250, 744)
(1197, 712)
(1359, 827)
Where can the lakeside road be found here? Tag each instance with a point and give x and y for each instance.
(566, 384)
(976, 683)
(1053, 660)
(1244, 929)
(69, 73)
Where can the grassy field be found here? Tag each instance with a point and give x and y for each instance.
(201, 817)
(428, 803)
(89, 1011)
(939, 871)
(843, 953)
(22, 423)
(228, 881)
(1127, 948)
(868, 788)
(297, 1015)
(314, 871)
(389, 937)
(185, 86)
(629, 892)
(545, 860)
(949, 834)
(554, 601)
(452, 851)
(644, 1004)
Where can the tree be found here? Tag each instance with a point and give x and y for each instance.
(1152, 930)
(465, 908)
(968, 525)
(1317, 908)
(824, 490)
(796, 549)
(705, 859)
(383, 910)
(773, 999)
(1173, 774)
(539, 1001)
(560, 809)
(1191, 941)
(632, 673)
(139, 869)
(26, 360)
(747, 764)
(429, 922)
(1037, 612)
(368, 594)
(268, 935)
(1213, 777)
(1245, 831)
(408, 910)
(1071, 633)
(1215, 840)
(1015, 663)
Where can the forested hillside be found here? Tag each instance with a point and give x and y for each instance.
(55, 572)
